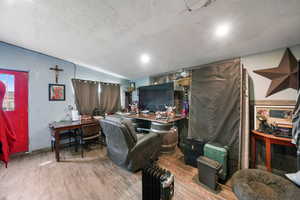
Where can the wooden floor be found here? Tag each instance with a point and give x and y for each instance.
(38, 177)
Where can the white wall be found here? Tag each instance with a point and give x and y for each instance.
(259, 84)
(41, 110)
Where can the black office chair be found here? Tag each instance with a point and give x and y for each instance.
(89, 133)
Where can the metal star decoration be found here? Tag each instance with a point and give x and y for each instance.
(284, 76)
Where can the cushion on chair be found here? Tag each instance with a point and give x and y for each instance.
(140, 136)
(129, 126)
(254, 184)
(126, 122)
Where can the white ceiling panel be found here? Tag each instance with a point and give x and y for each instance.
(110, 35)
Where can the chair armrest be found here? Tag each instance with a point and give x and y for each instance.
(146, 150)
(141, 130)
(147, 140)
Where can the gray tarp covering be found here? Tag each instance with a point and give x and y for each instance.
(215, 106)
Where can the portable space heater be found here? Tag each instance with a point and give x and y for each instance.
(157, 183)
(208, 170)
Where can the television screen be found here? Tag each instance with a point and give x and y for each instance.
(156, 97)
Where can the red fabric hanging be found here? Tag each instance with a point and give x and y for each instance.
(7, 134)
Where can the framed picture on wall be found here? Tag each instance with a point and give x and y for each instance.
(57, 92)
(276, 115)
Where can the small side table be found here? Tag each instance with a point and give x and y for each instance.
(269, 140)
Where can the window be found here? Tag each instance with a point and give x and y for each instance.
(9, 98)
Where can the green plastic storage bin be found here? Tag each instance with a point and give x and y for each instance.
(217, 153)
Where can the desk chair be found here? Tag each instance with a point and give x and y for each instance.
(89, 133)
(67, 135)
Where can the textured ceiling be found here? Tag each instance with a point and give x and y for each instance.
(111, 34)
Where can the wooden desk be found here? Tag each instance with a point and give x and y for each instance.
(57, 127)
(151, 117)
(269, 140)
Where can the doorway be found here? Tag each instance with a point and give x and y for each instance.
(128, 99)
(15, 105)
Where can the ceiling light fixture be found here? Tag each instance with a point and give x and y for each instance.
(145, 58)
(222, 30)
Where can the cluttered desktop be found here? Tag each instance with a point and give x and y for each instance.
(275, 120)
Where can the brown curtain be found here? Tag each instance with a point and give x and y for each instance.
(86, 95)
(110, 97)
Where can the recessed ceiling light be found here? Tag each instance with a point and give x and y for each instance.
(222, 30)
(145, 58)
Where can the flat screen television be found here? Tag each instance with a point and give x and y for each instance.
(156, 97)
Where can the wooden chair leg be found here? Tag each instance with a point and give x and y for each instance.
(70, 137)
(76, 143)
(100, 141)
(82, 149)
(52, 145)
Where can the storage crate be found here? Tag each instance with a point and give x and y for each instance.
(218, 153)
(192, 149)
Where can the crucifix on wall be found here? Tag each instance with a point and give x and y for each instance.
(56, 70)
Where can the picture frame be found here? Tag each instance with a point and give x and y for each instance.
(131, 87)
(274, 114)
(57, 92)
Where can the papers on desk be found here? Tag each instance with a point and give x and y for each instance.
(98, 117)
(123, 113)
(75, 115)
